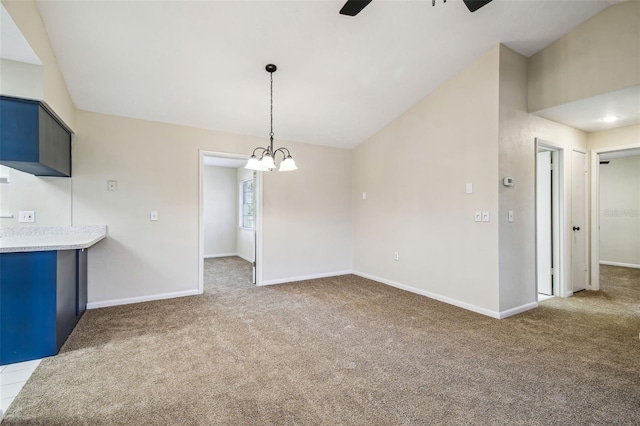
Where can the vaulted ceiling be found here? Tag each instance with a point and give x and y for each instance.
(339, 80)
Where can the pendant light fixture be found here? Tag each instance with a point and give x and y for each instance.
(266, 162)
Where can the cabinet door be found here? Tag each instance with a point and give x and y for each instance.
(66, 296)
(81, 290)
(27, 306)
(55, 145)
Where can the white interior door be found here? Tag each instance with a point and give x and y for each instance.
(255, 257)
(578, 221)
(543, 223)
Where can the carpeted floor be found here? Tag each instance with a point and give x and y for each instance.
(227, 274)
(344, 350)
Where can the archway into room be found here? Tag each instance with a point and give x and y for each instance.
(230, 242)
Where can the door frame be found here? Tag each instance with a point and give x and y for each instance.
(595, 209)
(587, 218)
(552, 202)
(258, 225)
(559, 217)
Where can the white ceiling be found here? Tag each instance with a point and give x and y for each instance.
(339, 80)
(13, 45)
(606, 156)
(616, 109)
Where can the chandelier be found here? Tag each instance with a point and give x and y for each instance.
(266, 162)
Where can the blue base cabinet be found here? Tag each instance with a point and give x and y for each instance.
(43, 294)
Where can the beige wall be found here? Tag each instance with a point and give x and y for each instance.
(517, 148)
(597, 57)
(620, 211)
(515, 159)
(621, 137)
(306, 213)
(21, 80)
(414, 173)
(475, 128)
(48, 197)
(220, 210)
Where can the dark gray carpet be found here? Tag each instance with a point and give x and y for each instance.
(343, 350)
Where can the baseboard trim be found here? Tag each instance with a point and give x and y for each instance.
(305, 277)
(518, 310)
(211, 256)
(624, 265)
(449, 300)
(140, 299)
(244, 258)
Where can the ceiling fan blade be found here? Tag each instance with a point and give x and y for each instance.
(474, 5)
(353, 7)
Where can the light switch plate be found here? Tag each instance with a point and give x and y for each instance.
(510, 215)
(478, 216)
(154, 215)
(485, 216)
(469, 188)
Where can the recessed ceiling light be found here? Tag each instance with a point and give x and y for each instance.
(610, 118)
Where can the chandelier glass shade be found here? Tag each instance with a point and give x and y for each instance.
(264, 159)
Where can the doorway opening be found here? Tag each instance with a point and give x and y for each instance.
(229, 223)
(550, 218)
(618, 216)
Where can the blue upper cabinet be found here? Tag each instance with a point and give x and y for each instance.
(33, 138)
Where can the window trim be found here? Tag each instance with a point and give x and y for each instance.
(241, 204)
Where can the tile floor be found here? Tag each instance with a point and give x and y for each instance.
(12, 378)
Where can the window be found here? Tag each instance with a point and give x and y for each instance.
(247, 204)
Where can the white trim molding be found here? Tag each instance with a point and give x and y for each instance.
(518, 310)
(201, 256)
(244, 258)
(561, 233)
(305, 277)
(624, 265)
(595, 209)
(141, 299)
(449, 300)
(211, 256)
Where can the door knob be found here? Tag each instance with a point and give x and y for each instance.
(576, 228)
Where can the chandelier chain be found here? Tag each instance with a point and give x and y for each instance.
(271, 133)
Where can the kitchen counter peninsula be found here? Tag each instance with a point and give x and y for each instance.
(43, 287)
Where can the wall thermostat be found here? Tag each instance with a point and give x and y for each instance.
(508, 181)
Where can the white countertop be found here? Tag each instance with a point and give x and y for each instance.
(24, 239)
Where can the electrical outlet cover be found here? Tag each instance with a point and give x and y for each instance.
(27, 216)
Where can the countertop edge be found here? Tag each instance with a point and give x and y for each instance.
(91, 240)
